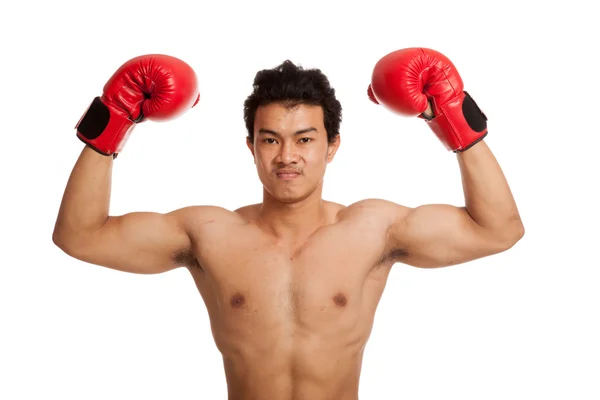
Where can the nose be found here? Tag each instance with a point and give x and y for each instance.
(288, 153)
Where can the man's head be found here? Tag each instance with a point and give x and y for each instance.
(293, 120)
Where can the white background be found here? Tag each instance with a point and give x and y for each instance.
(519, 325)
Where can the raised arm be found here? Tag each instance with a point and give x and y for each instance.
(154, 87)
(439, 235)
(423, 82)
(137, 242)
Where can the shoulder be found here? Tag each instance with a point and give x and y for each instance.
(375, 208)
(200, 215)
(377, 213)
(248, 213)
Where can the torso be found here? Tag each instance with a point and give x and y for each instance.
(292, 319)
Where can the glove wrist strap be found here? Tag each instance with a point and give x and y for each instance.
(459, 124)
(103, 128)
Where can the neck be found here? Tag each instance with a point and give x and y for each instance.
(293, 220)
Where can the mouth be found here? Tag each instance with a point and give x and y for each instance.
(287, 174)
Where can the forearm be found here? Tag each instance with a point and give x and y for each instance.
(86, 199)
(488, 198)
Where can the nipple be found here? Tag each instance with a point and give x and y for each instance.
(340, 300)
(237, 300)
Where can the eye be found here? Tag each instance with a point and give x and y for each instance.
(305, 140)
(269, 140)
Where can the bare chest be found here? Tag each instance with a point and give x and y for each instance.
(334, 274)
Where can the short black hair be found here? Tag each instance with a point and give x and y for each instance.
(292, 85)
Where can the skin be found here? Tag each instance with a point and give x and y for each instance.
(291, 284)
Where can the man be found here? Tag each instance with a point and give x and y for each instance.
(291, 284)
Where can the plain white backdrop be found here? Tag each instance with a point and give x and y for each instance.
(523, 324)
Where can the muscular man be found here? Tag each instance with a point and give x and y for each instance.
(291, 284)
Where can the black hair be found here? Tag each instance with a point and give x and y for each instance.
(293, 85)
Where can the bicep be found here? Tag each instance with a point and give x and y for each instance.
(439, 235)
(138, 242)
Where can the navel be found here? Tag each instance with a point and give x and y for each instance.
(340, 300)
(237, 300)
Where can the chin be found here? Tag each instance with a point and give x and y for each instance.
(287, 196)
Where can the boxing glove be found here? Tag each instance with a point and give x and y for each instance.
(404, 81)
(150, 87)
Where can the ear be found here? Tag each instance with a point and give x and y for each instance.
(332, 148)
(250, 145)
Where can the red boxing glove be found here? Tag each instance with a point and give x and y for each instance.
(405, 80)
(155, 87)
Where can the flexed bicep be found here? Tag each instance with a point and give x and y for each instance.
(440, 235)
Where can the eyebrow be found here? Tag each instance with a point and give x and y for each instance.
(300, 132)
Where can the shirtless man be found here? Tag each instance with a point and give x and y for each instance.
(291, 284)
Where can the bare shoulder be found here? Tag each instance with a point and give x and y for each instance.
(206, 226)
(203, 213)
(194, 218)
(376, 209)
(248, 212)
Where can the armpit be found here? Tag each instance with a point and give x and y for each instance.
(185, 258)
(393, 256)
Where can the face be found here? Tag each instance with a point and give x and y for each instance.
(291, 150)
